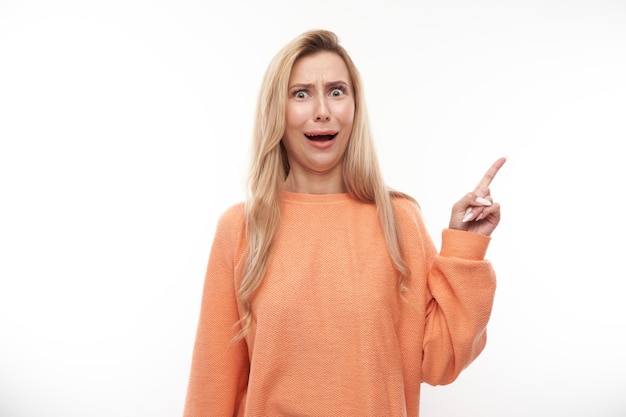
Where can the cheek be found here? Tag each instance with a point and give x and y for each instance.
(347, 114)
(295, 116)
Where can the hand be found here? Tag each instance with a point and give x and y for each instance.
(476, 212)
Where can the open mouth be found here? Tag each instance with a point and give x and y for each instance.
(321, 138)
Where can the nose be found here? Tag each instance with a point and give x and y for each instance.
(322, 114)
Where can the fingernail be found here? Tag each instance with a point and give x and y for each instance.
(468, 215)
(483, 201)
(480, 216)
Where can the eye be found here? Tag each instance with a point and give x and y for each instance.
(337, 91)
(300, 94)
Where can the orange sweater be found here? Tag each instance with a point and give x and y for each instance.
(331, 335)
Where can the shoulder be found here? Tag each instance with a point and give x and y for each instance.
(417, 242)
(406, 208)
(231, 224)
(233, 216)
(408, 216)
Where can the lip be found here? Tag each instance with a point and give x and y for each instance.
(325, 132)
(325, 138)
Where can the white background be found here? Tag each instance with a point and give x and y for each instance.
(124, 129)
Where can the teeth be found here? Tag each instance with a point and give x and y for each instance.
(321, 137)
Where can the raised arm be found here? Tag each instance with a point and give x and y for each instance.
(462, 286)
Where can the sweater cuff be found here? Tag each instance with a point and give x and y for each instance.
(464, 245)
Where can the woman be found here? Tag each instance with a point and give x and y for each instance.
(324, 294)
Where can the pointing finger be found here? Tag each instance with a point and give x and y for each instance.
(482, 189)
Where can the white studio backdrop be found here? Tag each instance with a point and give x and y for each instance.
(124, 129)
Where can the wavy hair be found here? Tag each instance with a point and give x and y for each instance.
(269, 166)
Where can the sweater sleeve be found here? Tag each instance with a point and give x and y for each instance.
(219, 366)
(461, 288)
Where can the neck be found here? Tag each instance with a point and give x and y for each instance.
(315, 184)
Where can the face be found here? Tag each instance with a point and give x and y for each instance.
(319, 117)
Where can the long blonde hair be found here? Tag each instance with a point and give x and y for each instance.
(269, 166)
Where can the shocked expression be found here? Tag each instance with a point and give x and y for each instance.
(319, 116)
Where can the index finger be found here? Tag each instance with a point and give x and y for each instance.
(483, 186)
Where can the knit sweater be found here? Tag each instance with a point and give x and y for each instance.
(332, 335)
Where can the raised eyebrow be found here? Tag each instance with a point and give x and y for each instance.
(301, 86)
(309, 86)
(335, 84)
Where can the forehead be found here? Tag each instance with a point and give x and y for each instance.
(320, 65)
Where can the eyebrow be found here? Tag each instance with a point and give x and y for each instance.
(308, 86)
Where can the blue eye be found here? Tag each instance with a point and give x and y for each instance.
(336, 92)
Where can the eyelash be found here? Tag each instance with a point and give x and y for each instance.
(340, 88)
(296, 92)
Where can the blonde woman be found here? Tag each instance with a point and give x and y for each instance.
(324, 294)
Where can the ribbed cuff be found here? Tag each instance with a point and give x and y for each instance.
(464, 245)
